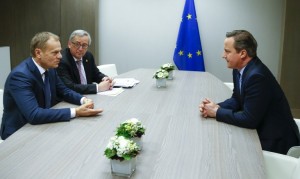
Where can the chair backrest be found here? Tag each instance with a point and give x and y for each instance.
(1, 100)
(278, 166)
(1, 105)
(295, 150)
(108, 69)
(296, 174)
(229, 85)
(298, 123)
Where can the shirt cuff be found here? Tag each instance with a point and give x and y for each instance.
(97, 89)
(82, 100)
(73, 112)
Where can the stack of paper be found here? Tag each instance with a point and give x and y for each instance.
(112, 92)
(125, 82)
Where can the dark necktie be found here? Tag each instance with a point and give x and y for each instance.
(82, 78)
(239, 80)
(47, 91)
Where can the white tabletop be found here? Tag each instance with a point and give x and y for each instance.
(178, 144)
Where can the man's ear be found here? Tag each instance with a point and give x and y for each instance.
(69, 44)
(243, 54)
(38, 52)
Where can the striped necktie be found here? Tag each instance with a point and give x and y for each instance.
(82, 76)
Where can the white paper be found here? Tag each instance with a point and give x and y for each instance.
(112, 92)
(125, 82)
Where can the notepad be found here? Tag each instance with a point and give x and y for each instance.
(125, 82)
(112, 92)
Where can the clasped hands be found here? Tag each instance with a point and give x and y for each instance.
(87, 108)
(107, 83)
(208, 108)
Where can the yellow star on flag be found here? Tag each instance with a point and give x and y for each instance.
(189, 16)
(198, 52)
(180, 52)
(190, 55)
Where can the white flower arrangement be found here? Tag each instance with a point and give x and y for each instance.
(160, 74)
(120, 148)
(131, 128)
(168, 67)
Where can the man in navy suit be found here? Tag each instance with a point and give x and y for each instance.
(258, 101)
(33, 87)
(77, 68)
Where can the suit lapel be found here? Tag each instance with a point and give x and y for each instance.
(35, 71)
(73, 66)
(86, 66)
(246, 74)
(38, 78)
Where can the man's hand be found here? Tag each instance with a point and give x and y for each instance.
(87, 110)
(87, 100)
(208, 108)
(107, 83)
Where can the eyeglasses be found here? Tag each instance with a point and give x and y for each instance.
(78, 45)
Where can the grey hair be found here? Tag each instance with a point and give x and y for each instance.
(80, 33)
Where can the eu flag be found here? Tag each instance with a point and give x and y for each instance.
(188, 53)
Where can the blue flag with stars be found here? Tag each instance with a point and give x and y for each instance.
(188, 53)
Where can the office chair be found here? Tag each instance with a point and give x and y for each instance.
(1, 107)
(278, 166)
(229, 85)
(295, 151)
(109, 70)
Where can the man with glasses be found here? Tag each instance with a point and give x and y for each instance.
(32, 87)
(77, 68)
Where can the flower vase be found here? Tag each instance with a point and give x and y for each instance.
(171, 74)
(161, 83)
(138, 141)
(124, 168)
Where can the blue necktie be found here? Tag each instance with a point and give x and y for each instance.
(239, 79)
(47, 91)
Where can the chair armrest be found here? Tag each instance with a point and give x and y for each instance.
(278, 166)
(294, 152)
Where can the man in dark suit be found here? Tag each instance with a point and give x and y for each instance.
(77, 68)
(258, 101)
(33, 87)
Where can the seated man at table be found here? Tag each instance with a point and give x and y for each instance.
(77, 68)
(258, 101)
(32, 88)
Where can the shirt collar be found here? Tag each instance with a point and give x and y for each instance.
(41, 69)
(77, 59)
(242, 70)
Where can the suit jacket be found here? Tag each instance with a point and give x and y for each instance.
(69, 73)
(24, 100)
(261, 105)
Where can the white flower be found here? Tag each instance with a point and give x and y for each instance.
(110, 145)
(121, 147)
(161, 73)
(168, 67)
(132, 120)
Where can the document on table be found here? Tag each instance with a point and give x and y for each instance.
(125, 82)
(112, 92)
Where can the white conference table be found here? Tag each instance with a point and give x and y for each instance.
(178, 144)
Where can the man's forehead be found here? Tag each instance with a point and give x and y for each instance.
(81, 38)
